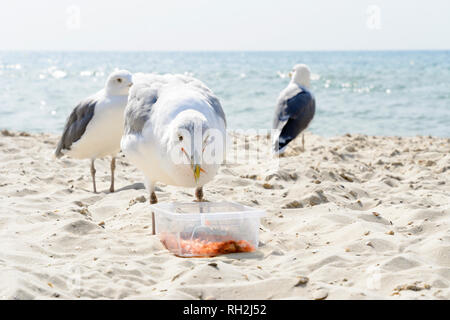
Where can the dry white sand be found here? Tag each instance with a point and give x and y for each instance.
(351, 217)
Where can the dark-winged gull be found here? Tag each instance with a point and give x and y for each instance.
(295, 109)
(175, 131)
(95, 126)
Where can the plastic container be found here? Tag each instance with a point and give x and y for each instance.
(207, 229)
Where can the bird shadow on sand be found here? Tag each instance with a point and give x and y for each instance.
(257, 255)
(134, 186)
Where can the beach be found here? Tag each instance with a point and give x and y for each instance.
(352, 217)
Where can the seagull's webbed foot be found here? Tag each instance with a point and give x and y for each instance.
(199, 195)
(150, 186)
(153, 198)
(93, 175)
(113, 168)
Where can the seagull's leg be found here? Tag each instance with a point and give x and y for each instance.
(303, 142)
(153, 200)
(199, 194)
(113, 167)
(93, 174)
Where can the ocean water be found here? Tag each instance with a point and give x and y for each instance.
(377, 93)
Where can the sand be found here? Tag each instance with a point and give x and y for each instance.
(352, 217)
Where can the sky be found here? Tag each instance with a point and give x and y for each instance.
(230, 25)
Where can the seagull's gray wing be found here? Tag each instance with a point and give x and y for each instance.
(292, 116)
(145, 93)
(76, 125)
(138, 109)
(215, 103)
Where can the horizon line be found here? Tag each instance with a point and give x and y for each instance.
(219, 50)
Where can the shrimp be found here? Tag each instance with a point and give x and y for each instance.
(209, 247)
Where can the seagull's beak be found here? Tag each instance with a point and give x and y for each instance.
(131, 83)
(197, 170)
(290, 75)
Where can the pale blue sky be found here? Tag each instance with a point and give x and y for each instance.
(225, 25)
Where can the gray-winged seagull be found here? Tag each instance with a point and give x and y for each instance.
(95, 126)
(175, 131)
(295, 109)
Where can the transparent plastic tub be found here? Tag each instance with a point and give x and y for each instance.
(207, 229)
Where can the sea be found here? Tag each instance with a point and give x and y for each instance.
(401, 93)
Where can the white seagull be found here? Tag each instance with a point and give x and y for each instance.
(95, 126)
(175, 131)
(295, 109)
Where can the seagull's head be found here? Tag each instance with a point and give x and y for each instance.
(189, 137)
(119, 82)
(301, 75)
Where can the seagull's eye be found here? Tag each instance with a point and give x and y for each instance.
(119, 80)
(180, 138)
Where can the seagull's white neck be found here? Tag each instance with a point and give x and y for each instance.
(115, 92)
(304, 82)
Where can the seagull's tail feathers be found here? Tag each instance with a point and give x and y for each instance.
(59, 151)
(280, 148)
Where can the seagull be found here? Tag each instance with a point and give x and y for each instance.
(95, 126)
(175, 131)
(295, 109)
